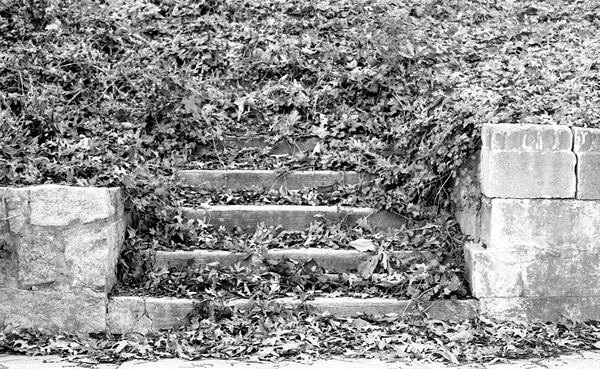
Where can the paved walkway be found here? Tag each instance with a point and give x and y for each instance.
(584, 360)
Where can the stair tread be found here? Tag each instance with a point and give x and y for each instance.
(299, 208)
(332, 260)
(292, 217)
(256, 179)
(142, 314)
(264, 141)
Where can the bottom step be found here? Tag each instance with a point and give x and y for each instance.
(128, 314)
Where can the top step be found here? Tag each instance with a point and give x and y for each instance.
(268, 179)
(258, 142)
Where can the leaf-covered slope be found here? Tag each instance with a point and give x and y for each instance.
(127, 81)
(123, 92)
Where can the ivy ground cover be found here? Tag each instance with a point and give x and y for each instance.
(123, 93)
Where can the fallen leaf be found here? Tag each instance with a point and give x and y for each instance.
(461, 336)
(367, 267)
(361, 323)
(363, 245)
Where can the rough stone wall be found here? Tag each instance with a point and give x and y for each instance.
(537, 250)
(59, 247)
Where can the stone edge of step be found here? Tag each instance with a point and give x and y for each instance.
(332, 260)
(138, 314)
(292, 217)
(257, 179)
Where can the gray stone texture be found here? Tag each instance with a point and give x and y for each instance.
(543, 224)
(61, 249)
(527, 161)
(54, 205)
(538, 255)
(250, 179)
(142, 315)
(77, 311)
(532, 273)
(332, 261)
(128, 314)
(587, 149)
(466, 197)
(293, 217)
(549, 308)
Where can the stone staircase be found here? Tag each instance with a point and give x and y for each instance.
(143, 314)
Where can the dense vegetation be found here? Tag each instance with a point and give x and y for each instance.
(118, 92)
(121, 93)
(266, 333)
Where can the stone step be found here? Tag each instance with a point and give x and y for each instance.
(268, 179)
(263, 142)
(145, 314)
(292, 217)
(333, 261)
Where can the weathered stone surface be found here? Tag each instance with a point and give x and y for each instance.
(61, 237)
(263, 143)
(137, 314)
(40, 257)
(267, 179)
(91, 253)
(14, 207)
(80, 256)
(588, 176)
(541, 224)
(587, 149)
(333, 261)
(127, 314)
(142, 315)
(490, 275)
(8, 265)
(586, 139)
(525, 174)
(442, 310)
(466, 196)
(80, 311)
(550, 308)
(54, 205)
(292, 217)
(527, 161)
(59, 255)
(532, 273)
(526, 137)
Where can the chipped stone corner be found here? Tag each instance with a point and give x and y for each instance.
(135, 314)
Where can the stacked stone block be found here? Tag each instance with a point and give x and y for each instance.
(539, 250)
(59, 251)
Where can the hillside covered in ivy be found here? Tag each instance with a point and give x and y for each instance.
(121, 93)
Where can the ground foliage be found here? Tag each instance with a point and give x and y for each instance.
(116, 92)
(410, 263)
(414, 276)
(124, 92)
(266, 332)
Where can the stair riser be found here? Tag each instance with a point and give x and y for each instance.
(141, 315)
(292, 218)
(282, 147)
(257, 180)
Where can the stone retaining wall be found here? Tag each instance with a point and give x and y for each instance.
(537, 226)
(59, 248)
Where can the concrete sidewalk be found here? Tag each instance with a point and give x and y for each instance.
(584, 360)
